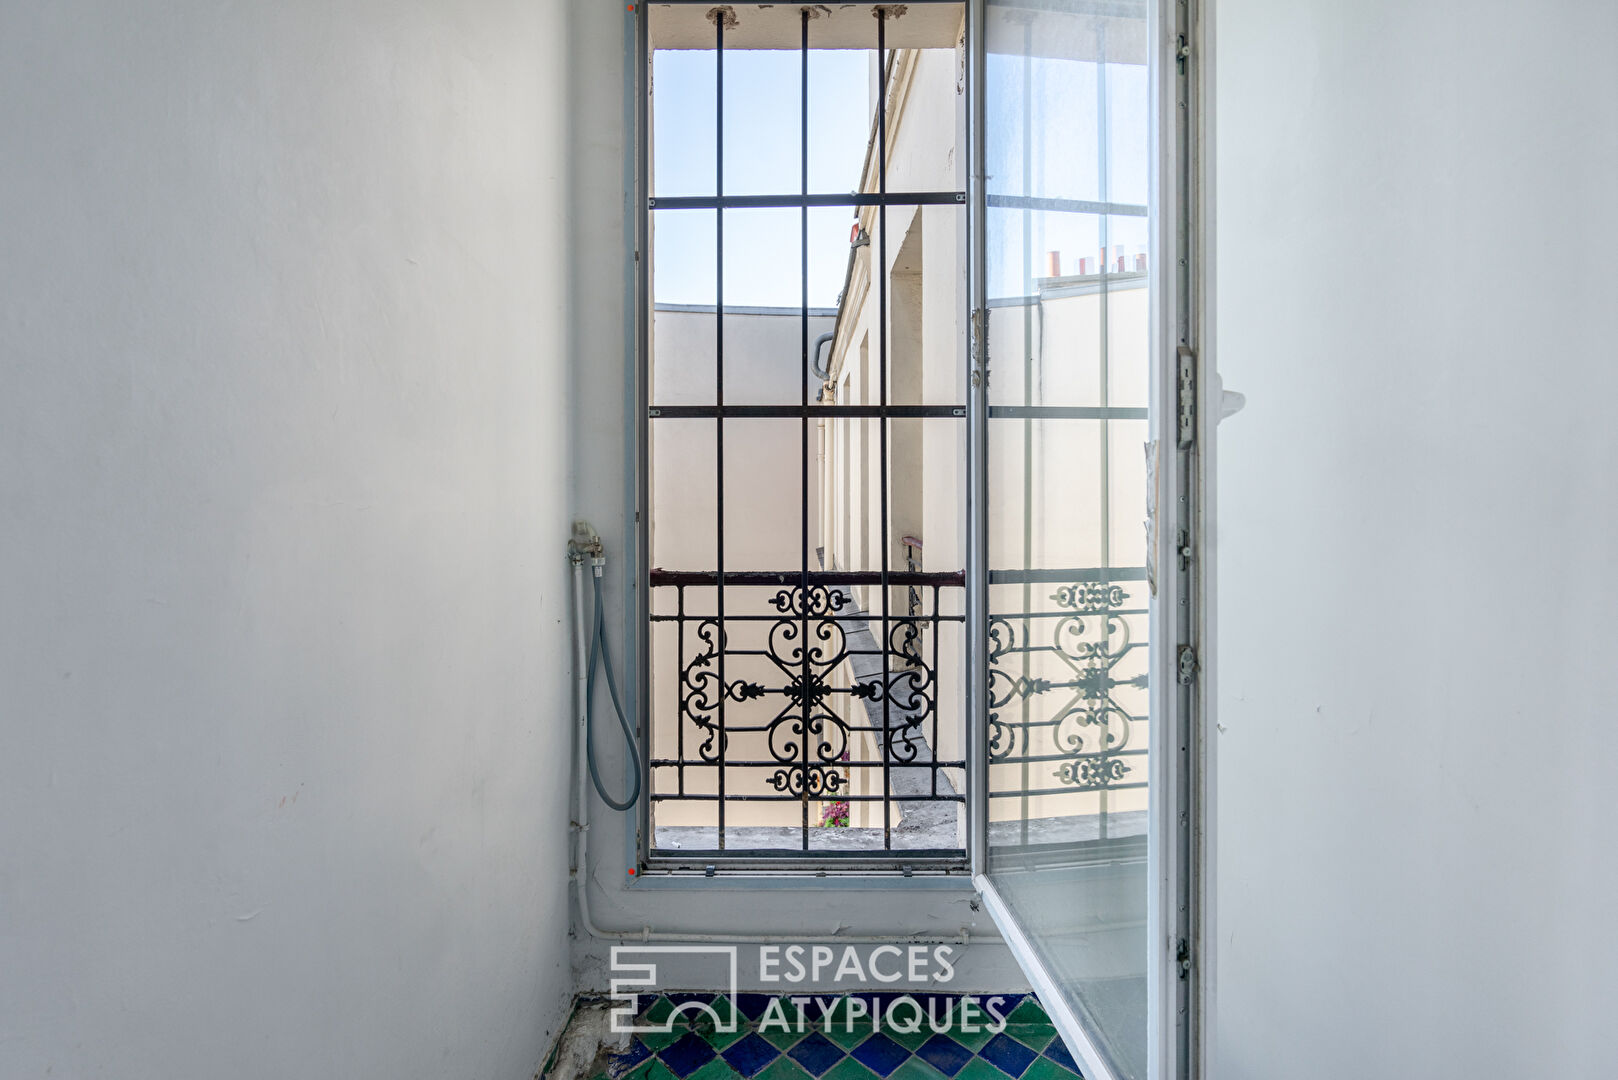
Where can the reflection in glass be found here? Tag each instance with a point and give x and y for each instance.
(1067, 143)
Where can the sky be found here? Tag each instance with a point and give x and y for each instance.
(763, 248)
(763, 155)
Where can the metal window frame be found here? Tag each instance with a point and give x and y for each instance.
(1183, 393)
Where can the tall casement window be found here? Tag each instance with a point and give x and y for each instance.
(916, 412)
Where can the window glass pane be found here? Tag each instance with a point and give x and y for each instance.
(763, 130)
(1033, 249)
(763, 258)
(1068, 313)
(764, 495)
(683, 329)
(832, 234)
(683, 461)
(683, 156)
(685, 244)
(1027, 91)
(1069, 602)
(840, 115)
(1128, 119)
(919, 303)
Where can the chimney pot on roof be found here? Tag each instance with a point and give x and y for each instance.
(1053, 264)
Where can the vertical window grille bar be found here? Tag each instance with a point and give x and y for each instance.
(719, 398)
(809, 700)
(679, 717)
(1026, 710)
(938, 627)
(886, 741)
(1104, 189)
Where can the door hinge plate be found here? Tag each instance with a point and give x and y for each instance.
(1188, 396)
(1188, 665)
(980, 347)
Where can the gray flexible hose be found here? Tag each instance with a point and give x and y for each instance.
(598, 648)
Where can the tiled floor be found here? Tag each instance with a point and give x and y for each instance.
(928, 1037)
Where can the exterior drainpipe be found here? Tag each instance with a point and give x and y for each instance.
(815, 365)
(861, 239)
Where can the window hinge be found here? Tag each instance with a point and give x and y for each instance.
(1182, 957)
(1188, 665)
(1188, 397)
(1182, 548)
(980, 347)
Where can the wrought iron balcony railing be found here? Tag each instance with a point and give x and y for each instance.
(799, 698)
(1067, 680)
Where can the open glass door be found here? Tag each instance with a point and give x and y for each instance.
(1077, 435)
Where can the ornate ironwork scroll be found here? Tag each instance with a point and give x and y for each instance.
(1066, 658)
(809, 639)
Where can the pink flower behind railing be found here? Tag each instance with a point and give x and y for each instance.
(834, 815)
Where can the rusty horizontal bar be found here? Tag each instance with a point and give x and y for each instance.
(799, 412)
(792, 202)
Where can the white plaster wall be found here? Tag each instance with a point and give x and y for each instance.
(1416, 557)
(283, 491)
(601, 46)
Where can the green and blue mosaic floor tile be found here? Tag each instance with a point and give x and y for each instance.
(764, 1037)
